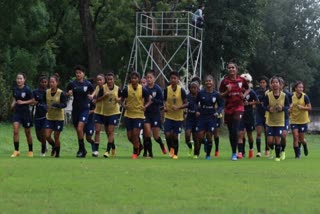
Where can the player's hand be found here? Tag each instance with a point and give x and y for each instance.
(175, 108)
(20, 102)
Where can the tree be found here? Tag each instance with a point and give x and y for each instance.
(90, 36)
(231, 31)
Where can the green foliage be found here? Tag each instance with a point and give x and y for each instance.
(231, 31)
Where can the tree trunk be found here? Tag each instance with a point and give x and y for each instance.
(90, 38)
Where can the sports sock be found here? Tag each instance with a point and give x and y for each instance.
(283, 144)
(93, 148)
(159, 140)
(96, 146)
(16, 146)
(109, 146)
(240, 147)
(57, 149)
(258, 143)
(278, 148)
(43, 148)
(209, 147)
(113, 145)
(176, 146)
(216, 143)
(81, 145)
(296, 151)
(250, 144)
(169, 142)
(30, 146)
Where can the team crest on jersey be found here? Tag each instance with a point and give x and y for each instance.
(23, 94)
(240, 84)
(248, 97)
(85, 88)
(214, 99)
(154, 94)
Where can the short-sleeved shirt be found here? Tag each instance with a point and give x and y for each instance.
(248, 114)
(234, 99)
(208, 102)
(23, 94)
(80, 91)
(41, 107)
(157, 99)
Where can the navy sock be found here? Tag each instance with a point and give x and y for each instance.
(109, 146)
(43, 148)
(189, 145)
(258, 143)
(216, 143)
(244, 145)
(278, 148)
(81, 145)
(16, 146)
(97, 146)
(30, 146)
(250, 144)
(209, 147)
(176, 146)
(57, 149)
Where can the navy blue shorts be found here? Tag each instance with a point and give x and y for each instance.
(286, 125)
(274, 131)
(172, 126)
(207, 124)
(24, 119)
(246, 126)
(260, 120)
(89, 128)
(111, 120)
(98, 118)
(55, 125)
(153, 119)
(302, 128)
(133, 123)
(80, 116)
(218, 122)
(191, 125)
(40, 123)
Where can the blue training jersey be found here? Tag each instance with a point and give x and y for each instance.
(80, 91)
(41, 106)
(192, 107)
(23, 94)
(157, 99)
(248, 114)
(208, 102)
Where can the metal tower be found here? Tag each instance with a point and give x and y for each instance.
(167, 41)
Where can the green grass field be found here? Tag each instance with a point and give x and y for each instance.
(159, 185)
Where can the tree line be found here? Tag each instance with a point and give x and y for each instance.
(265, 37)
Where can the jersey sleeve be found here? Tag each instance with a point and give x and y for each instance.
(183, 95)
(306, 99)
(124, 93)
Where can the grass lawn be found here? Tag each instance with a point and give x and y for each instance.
(159, 185)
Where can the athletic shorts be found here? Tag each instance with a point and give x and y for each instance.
(274, 131)
(89, 128)
(172, 126)
(80, 116)
(206, 124)
(55, 125)
(302, 128)
(191, 125)
(133, 123)
(230, 117)
(40, 123)
(218, 122)
(111, 120)
(24, 119)
(260, 120)
(98, 118)
(244, 126)
(153, 119)
(286, 125)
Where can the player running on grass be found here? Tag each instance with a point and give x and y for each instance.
(40, 112)
(56, 101)
(299, 116)
(152, 122)
(276, 103)
(208, 98)
(111, 112)
(191, 119)
(175, 101)
(23, 97)
(98, 99)
(81, 89)
(260, 116)
(135, 101)
(247, 120)
(233, 89)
